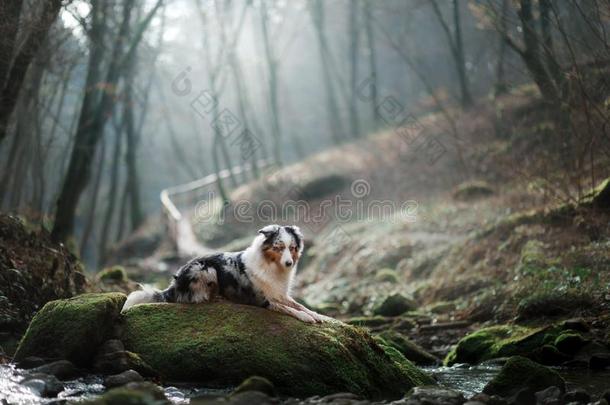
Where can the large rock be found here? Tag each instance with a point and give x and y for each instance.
(503, 341)
(221, 344)
(408, 348)
(72, 329)
(521, 373)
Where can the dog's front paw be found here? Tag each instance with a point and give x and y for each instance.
(323, 318)
(302, 316)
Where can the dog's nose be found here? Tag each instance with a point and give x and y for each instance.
(288, 263)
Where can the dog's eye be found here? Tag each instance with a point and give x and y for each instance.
(293, 248)
(277, 248)
(211, 284)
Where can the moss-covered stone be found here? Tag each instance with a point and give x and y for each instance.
(472, 190)
(408, 348)
(394, 305)
(142, 393)
(221, 344)
(501, 341)
(114, 274)
(519, 373)
(387, 276)
(370, 321)
(570, 342)
(72, 329)
(256, 383)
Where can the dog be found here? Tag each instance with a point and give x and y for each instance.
(262, 275)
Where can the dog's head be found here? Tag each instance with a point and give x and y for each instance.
(282, 245)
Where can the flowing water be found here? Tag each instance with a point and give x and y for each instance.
(468, 380)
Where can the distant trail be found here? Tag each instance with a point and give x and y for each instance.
(178, 222)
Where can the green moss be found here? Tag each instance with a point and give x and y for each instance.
(132, 394)
(256, 383)
(114, 274)
(520, 372)
(387, 275)
(394, 305)
(370, 321)
(72, 329)
(472, 190)
(500, 341)
(408, 348)
(569, 342)
(221, 344)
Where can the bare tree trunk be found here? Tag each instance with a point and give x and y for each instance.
(354, 35)
(334, 118)
(456, 46)
(273, 91)
(91, 123)
(137, 213)
(111, 196)
(21, 62)
(89, 223)
(370, 40)
(501, 86)
(10, 12)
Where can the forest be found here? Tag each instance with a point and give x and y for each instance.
(305, 202)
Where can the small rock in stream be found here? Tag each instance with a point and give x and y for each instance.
(551, 395)
(45, 385)
(62, 369)
(578, 395)
(123, 378)
(31, 362)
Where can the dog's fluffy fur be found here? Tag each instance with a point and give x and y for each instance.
(261, 275)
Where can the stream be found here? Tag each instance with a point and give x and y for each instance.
(468, 380)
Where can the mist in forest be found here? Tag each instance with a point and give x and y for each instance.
(107, 103)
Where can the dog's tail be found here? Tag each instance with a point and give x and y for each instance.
(144, 296)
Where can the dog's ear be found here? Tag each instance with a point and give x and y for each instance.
(269, 230)
(298, 235)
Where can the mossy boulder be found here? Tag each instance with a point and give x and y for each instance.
(72, 329)
(394, 305)
(408, 348)
(519, 373)
(472, 190)
(570, 342)
(501, 341)
(114, 274)
(135, 393)
(386, 275)
(221, 344)
(256, 383)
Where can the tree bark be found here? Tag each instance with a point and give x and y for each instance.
(21, 62)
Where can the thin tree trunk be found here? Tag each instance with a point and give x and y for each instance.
(334, 117)
(137, 213)
(459, 56)
(370, 40)
(16, 74)
(111, 196)
(354, 35)
(89, 223)
(91, 126)
(273, 90)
